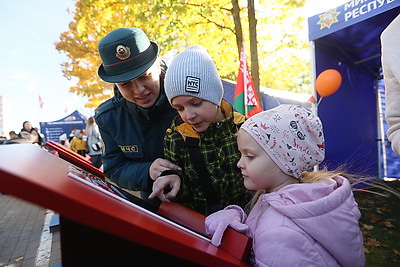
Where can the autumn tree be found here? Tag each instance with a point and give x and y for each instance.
(176, 24)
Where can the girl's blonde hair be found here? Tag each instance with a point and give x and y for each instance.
(324, 173)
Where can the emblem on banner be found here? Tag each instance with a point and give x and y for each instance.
(123, 52)
(328, 18)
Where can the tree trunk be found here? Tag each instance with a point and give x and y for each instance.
(238, 25)
(253, 46)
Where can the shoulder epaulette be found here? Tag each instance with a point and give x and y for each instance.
(107, 105)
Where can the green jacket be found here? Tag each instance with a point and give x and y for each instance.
(219, 150)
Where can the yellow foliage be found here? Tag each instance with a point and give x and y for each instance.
(283, 56)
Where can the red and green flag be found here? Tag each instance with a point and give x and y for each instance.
(41, 102)
(245, 99)
(312, 100)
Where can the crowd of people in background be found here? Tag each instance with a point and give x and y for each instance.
(27, 134)
(87, 141)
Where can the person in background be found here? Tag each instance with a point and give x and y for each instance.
(31, 134)
(201, 139)
(72, 134)
(390, 39)
(94, 142)
(14, 139)
(79, 144)
(3, 140)
(13, 135)
(132, 124)
(299, 218)
(41, 135)
(64, 141)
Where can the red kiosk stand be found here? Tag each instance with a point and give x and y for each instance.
(102, 225)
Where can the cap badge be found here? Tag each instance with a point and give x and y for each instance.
(123, 52)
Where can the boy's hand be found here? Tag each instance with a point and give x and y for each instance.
(166, 187)
(160, 165)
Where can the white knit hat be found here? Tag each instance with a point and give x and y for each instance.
(193, 73)
(63, 137)
(291, 135)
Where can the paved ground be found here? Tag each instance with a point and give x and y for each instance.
(25, 237)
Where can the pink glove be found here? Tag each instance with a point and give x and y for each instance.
(217, 222)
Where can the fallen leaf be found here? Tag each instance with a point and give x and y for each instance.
(370, 202)
(372, 242)
(372, 217)
(396, 252)
(387, 223)
(367, 227)
(379, 211)
(19, 259)
(385, 209)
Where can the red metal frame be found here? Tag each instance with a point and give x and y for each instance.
(74, 158)
(34, 175)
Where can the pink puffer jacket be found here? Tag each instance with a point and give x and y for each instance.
(308, 224)
(312, 224)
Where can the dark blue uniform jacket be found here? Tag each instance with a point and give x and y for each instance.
(133, 139)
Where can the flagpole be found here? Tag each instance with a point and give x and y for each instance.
(244, 59)
(39, 117)
(245, 108)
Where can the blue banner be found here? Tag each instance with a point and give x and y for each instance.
(352, 12)
(54, 129)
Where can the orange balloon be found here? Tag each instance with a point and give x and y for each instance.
(328, 82)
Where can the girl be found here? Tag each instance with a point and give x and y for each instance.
(300, 218)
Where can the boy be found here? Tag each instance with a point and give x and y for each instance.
(201, 140)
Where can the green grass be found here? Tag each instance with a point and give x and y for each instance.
(380, 224)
